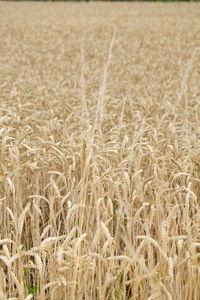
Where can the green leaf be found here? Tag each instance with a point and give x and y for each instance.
(33, 290)
(26, 271)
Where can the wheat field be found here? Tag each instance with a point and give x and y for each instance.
(99, 151)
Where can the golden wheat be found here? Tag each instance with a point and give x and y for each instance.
(99, 151)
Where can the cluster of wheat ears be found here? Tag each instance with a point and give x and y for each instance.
(99, 151)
